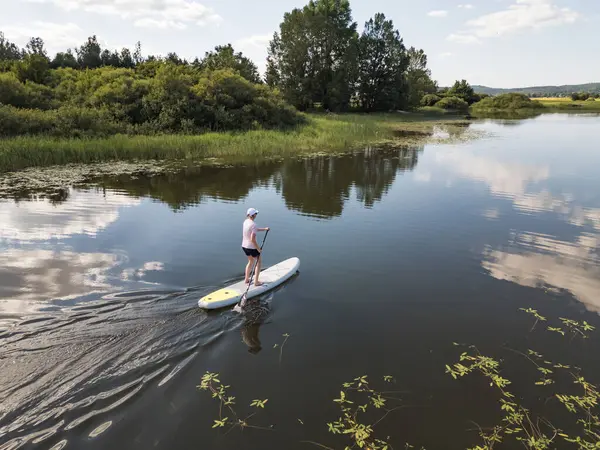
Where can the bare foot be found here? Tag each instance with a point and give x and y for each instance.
(246, 281)
(258, 283)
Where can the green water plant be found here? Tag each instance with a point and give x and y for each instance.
(228, 415)
(535, 432)
(357, 400)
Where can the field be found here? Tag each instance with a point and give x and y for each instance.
(563, 103)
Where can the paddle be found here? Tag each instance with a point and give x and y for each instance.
(238, 307)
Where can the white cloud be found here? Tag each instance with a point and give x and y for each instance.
(463, 38)
(437, 13)
(257, 41)
(446, 55)
(466, 6)
(521, 16)
(56, 36)
(176, 14)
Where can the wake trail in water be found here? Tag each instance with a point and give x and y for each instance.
(59, 372)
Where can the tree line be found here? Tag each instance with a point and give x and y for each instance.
(316, 60)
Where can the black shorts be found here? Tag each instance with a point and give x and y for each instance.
(251, 252)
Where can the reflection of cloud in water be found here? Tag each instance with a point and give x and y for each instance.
(130, 274)
(504, 179)
(537, 259)
(491, 213)
(83, 213)
(547, 261)
(30, 279)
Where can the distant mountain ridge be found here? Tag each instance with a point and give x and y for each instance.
(541, 91)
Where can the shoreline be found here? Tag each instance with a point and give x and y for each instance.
(324, 133)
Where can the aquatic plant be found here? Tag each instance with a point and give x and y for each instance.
(535, 432)
(212, 383)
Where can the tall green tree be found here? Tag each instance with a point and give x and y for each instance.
(382, 65)
(35, 46)
(126, 59)
(315, 55)
(89, 55)
(32, 67)
(64, 59)
(418, 77)
(8, 50)
(225, 57)
(462, 89)
(109, 58)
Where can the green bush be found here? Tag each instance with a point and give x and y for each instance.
(67, 121)
(452, 103)
(160, 97)
(12, 91)
(508, 101)
(430, 100)
(19, 121)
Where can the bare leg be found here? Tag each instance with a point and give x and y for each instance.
(257, 272)
(248, 269)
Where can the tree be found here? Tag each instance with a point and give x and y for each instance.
(127, 60)
(33, 67)
(174, 58)
(224, 57)
(89, 54)
(66, 59)
(8, 50)
(272, 77)
(138, 58)
(314, 55)
(418, 77)
(382, 65)
(462, 89)
(109, 58)
(35, 46)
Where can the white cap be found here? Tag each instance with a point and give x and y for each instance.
(251, 212)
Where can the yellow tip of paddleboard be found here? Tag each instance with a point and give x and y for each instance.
(219, 296)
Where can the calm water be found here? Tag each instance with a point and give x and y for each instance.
(403, 253)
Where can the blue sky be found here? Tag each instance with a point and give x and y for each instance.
(500, 43)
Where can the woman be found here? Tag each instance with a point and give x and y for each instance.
(250, 246)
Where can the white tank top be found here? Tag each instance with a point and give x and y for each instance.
(248, 229)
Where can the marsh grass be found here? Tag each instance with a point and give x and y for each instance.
(323, 134)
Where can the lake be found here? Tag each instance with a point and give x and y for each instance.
(404, 252)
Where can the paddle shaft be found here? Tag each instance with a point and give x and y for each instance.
(254, 268)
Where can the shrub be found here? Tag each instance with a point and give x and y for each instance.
(452, 103)
(67, 121)
(18, 121)
(430, 100)
(508, 101)
(12, 91)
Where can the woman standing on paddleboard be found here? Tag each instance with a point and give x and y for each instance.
(250, 246)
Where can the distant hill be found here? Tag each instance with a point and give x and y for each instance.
(542, 91)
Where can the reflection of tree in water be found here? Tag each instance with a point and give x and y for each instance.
(320, 186)
(191, 186)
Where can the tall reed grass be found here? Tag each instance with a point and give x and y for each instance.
(324, 133)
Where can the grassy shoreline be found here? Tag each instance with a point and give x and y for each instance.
(323, 134)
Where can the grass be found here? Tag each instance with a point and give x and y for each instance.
(565, 103)
(324, 133)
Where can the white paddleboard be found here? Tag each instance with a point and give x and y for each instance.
(271, 278)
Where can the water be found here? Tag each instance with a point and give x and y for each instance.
(403, 253)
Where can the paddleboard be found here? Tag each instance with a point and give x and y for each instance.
(271, 278)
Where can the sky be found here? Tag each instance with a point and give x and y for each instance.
(497, 43)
